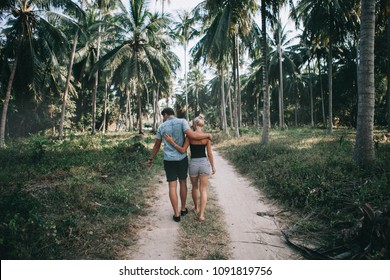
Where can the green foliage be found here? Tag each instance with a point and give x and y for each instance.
(71, 199)
(314, 174)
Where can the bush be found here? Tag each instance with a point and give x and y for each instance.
(71, 199)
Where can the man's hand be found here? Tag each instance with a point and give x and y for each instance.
(210, 137)
(150, 162)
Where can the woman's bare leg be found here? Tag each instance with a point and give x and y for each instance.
(195, 192)
(204, 180)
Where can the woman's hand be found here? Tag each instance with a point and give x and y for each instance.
(169, 139)
(213, 170)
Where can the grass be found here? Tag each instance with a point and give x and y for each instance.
(79, 198)
(313, 175)
(206, 240)
(82, 198)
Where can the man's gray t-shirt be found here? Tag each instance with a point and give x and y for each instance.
(174, 127)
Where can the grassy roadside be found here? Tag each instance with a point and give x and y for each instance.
(74, 199)
(206, 240)
(340, 210)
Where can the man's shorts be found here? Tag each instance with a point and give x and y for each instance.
(176, 169)
(200, 167)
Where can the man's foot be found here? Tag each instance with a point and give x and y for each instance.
(184, 212)
(176, 219)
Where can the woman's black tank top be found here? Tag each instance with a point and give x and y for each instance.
(198, 151)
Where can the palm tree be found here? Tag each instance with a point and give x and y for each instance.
(65, 96)
(94, 26)
(163, 4)
(29, 31)
(268, 9)
(104, 7)
(281, 58)
(227, 25)
(339, 18)
(364, 147)
(185, 31)
(197, 84)
(387, 8)
(143, 50)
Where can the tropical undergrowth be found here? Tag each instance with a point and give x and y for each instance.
(341, 210)
(77, 198)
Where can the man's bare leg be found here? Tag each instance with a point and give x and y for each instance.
(183, 193)
(173, 197)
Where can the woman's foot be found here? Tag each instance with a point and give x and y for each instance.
(201, 218)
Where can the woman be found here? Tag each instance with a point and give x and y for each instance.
(201, 165)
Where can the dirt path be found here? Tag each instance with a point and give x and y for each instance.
(252, 236)
(157, 239)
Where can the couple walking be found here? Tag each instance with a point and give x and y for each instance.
(173, 132)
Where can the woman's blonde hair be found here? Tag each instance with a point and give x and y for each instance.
(199, 121)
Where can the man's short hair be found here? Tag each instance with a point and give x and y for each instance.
(168, 111)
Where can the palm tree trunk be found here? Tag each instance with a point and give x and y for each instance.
(364, 147)
(223, 102)
(296, 112)
(322, 90)
(65, 97)
(257, 111)
(8, 95)
(330, 81)
(388, 71)
(229, 95)
(266, 112)
(235, 109)
(239, 110)
(96, 84)
(155, 109)
(330, 71)
(138, 94)
(281, 105)
(129, 119)
(185, 79)
(311, 96)
(105, 108)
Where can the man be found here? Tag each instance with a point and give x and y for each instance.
(175, 163)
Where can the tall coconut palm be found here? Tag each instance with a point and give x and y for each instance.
(163, 4)
(269, 8)
(252, 86)
(339, 17)
(197, 84)
(388, 69)
(307, 50)
(282, 61)
(184, 30)
(228, 22)
(104, 7)
(143, 49)
(364, 147)
(30, 30)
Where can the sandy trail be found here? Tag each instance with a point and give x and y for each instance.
(253, 237)
(157, 239)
